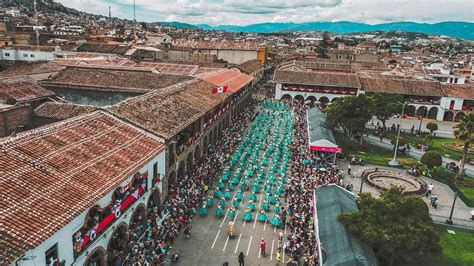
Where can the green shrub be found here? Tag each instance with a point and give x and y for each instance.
(431, 159)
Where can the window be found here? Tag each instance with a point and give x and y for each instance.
(32, 55)
(155, 170)
(51, 255)
(25, 55)
(7, 54)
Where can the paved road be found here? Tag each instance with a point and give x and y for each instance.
(415, 153)
(445, 128)
(210, 245)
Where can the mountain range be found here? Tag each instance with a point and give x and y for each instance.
(463, 30)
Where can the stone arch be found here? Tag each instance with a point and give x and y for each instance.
(154, 201)
(411, 110)
(97, 257)
(181, 169)
(189, 160)
(448, 116)
(299, 98)
(197, 153)
(138, 220)
(118, 243)
(422, 111)
(324, 99)
(205, 142)
(458, 116)
(286, 97)
(334, 98)
(433, 112)
(312, 99)
(171, 181)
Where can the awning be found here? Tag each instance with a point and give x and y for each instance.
(320, 138)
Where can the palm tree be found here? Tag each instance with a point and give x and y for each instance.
(464, 132)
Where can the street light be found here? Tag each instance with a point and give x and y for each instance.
(450, 220)
(394, 162)
(361, 182)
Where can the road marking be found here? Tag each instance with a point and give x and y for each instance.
(283, 251)
(238, 242)
(285, 228)
(265, 226)
(274, 229)
(236, 214)
(259, 252)
(260, 202)
(215, 239)
(225, 245)
(254, 222)
(224, 218)
(248, 248)
(244, 223)
(271, 253)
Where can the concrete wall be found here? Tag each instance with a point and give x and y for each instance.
(236, 56)
(64, 237)
(14, 117)
(25, 55)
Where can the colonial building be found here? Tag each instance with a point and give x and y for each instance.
(73, 187)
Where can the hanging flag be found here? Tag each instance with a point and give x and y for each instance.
(222, 89)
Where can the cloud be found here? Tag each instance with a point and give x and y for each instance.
(242, 12)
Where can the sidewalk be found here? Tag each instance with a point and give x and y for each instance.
(445, 195)
(415, 153)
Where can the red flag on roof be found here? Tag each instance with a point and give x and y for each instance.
(222, 89)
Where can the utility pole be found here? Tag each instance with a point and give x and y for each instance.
(134, 14)
(36, 18)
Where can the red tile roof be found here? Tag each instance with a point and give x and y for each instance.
(317, 78)
(168, 68)
(375, 82)
(61, 111)
(113, 79)
(31, 69)
(168, 111)
(250, 66)
(228, 77)
(465, 91)
(217, 45)
(52, 174)
(22, 88)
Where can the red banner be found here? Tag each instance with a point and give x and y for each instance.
(325, 149)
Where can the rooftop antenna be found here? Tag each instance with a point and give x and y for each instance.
(134, 14)
(110, 13)
(36, 18)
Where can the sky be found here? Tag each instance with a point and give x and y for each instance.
(244, 12)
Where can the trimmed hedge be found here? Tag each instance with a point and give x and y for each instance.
(446, 178)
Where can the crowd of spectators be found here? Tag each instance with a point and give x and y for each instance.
(151, 239)
(308, 170)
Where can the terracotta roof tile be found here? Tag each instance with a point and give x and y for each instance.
(317, 78)
(114, 79)
(217, 45)
(61, 111)
(250, 66)
(52, 174)
(31, 69)
(465, 91)
(22, 88)
(373, 82)
(166, 112)
(228, 77)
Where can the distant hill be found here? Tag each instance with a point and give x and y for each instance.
(179, 24)
(463, 30)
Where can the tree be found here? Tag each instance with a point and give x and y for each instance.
(322, 49)
(432, 127)
(464, 132)
(394, 225)
(385, 105)
(349, 113)
(431, 159)
(401, 141)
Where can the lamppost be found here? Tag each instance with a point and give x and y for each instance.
(361, 182)
(421, 121)
(450, 220)
(394, 162)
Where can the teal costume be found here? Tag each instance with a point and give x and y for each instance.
(262, 217)
(227, 195)
(232, 213)
(275, 221)
(247, 216)
(240, 196)
(253, 197)
(203, 211)
(251, 206)
(220, 212)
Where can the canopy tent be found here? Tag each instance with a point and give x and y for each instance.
(340, 247)
(320, 137)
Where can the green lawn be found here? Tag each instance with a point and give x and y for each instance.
(458, 247)
(369, 153)
(436, 146)
(457, 250)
